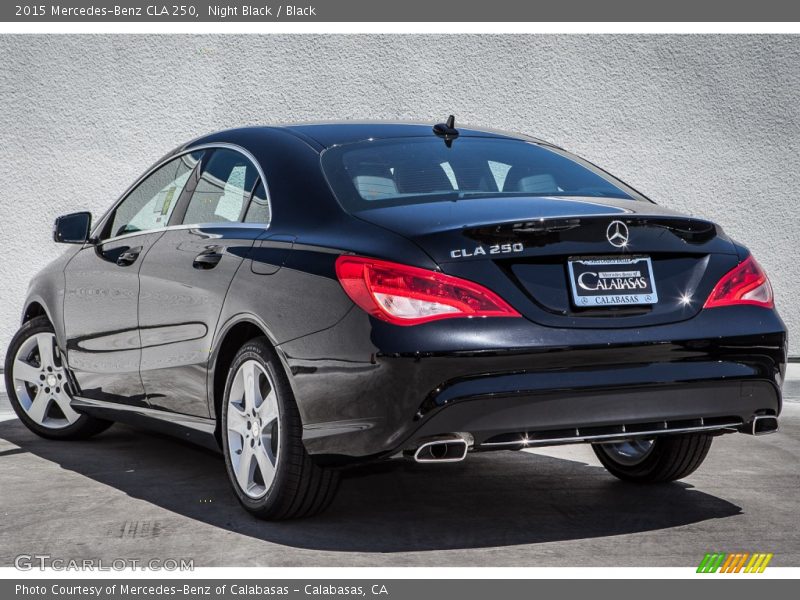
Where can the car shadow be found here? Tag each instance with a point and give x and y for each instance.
(489, 500)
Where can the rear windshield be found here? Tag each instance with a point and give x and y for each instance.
(392, 172)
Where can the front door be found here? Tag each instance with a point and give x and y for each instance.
(102, 288)
(100, 317)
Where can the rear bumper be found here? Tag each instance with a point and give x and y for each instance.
(525, 418)
(366, 391)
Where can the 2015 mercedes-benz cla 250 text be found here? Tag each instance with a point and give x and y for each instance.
(312, 296)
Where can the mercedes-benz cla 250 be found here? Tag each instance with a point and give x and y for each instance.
(309, 297)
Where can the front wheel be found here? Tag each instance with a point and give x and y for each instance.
(657, 460)
(38, 385)
(269, 469)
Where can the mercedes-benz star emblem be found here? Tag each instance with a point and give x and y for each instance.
(617, 234)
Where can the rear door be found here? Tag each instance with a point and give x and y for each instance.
(185, 278)
(102, 288)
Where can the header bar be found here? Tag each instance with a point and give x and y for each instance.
(440, 11)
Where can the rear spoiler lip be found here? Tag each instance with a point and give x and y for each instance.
(690, 229)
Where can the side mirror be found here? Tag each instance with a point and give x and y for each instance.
(73, 228)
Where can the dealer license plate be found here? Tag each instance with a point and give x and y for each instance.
(612, 281)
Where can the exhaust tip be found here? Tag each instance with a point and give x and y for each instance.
(449, 449)
(763, 425)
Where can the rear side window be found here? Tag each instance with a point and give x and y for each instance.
(150, 205)
(400, 171)
(222, 191)
(259, 210)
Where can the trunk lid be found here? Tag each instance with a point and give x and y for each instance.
(521, 248)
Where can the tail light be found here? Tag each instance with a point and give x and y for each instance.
(746, 283)
(405, 295)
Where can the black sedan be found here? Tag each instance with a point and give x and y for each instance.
(313, 296)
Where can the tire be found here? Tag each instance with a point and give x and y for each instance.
(669, 458)
(276, 478)
(38, 386)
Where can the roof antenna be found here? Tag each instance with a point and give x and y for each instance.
(447, 130)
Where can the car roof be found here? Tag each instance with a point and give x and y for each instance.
(345, 132)
(322, 135)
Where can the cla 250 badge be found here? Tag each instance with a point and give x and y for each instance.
(484, 250)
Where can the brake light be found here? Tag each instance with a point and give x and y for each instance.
(405, 295)
(747, 283)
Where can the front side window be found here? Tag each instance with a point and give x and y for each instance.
(150, 205)
(400, 171)
(223, 189)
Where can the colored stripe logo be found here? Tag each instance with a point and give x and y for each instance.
(739, 562)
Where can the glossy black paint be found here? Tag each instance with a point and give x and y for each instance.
(146, 318)
(392, 392)
(180, 301)
(100, 321)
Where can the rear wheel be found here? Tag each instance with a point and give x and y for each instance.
(270, 471)
(662, 459)
(38, 385)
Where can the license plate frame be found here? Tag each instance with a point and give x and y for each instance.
(598, 282)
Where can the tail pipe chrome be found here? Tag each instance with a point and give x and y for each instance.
(441, 449)
(761, 425)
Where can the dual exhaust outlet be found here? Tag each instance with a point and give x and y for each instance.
(451, 447)
(761, 425)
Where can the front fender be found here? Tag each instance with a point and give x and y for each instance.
(47, 289)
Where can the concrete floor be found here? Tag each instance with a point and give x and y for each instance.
(132, 494)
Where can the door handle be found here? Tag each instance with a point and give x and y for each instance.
(207, 260)
(129, 257)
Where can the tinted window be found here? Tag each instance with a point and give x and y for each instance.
(224, 186)
(415, 170)
(258, 211)
(150, 205)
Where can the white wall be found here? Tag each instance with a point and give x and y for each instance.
(705, 124)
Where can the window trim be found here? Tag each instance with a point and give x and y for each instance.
(249, 202)
(98, 227)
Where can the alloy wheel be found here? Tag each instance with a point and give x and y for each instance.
(253, 426)
(40, 382)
